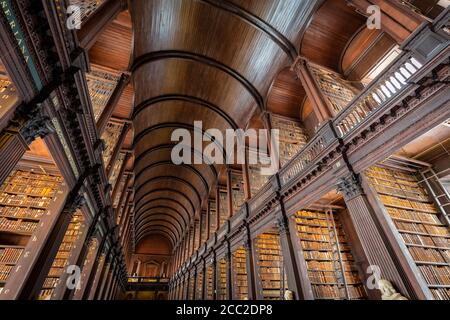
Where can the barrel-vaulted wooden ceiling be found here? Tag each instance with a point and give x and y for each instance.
(224, 62)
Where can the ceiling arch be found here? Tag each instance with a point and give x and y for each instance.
(179, 196)
(167, 221)
(173, 179)
(157, 227)
(195, 101)
(170, 146)
(159, 208)
(187, 55)
(170, 163)
(177, 125)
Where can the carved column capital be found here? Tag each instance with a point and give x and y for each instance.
(350, 186)
(38, 126)
(283, 225)
(299, 62)
(77, 202)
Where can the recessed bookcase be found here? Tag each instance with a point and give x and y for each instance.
(101, 84)
(270, 269)
(24, 197)
(209, 278)
(199, 285)
(223, 207)
(212, 217)
(60, 262)
(292, 137)
(330, 264)
(417, 222)
(222, 279)
(204, 228)
(110, 137)
(191, 283)
(237, 189)
(240, 283)
(335, 89)
(257, 180)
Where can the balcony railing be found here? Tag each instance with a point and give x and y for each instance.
(381, 91)
(303, 160)
(148, 280)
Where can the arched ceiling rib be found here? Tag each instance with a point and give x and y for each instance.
(205, 60)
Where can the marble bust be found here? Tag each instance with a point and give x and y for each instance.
(388, 292)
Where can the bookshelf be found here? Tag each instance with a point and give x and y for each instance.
(292, 137)
(338, 93)
(222, 279)
(418, 222)
(257, 180)
(101, 84)
(191, 284)
(270, 268)
(237, 189)
(24, 198)
(87, 7)
(329, 260)
(62, 256)
(223, 208)
(204, 228)
(212, 217)
(209, 278)
(110, 137)
(199, 286)
(240, 284)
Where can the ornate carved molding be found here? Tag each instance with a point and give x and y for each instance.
(350, 186)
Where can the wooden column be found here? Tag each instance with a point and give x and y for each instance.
(61, 287)
(106, 271)
(208, 219)
(123, 200)
(203, 297)
(375, 246)
(246, 177)
(229, 193)
(258, 287)
(93, 27)
(201, 228)
(217, 207)
(18, 278)
(105, 116)
(119, 178)
(94, 245)
(117, 147)
(194, 287)
(12, 148)
(33, 284)
(320, 104)
(397, 20)
(229, 274)
(109, 279)
(289, 260)
(250, 267)
(97, 277)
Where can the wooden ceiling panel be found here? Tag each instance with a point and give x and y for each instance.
(177, 76)
(286, 17)
(332, 26)
(124, 107)
(113, 47)
(286, 95)
(182, 26)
